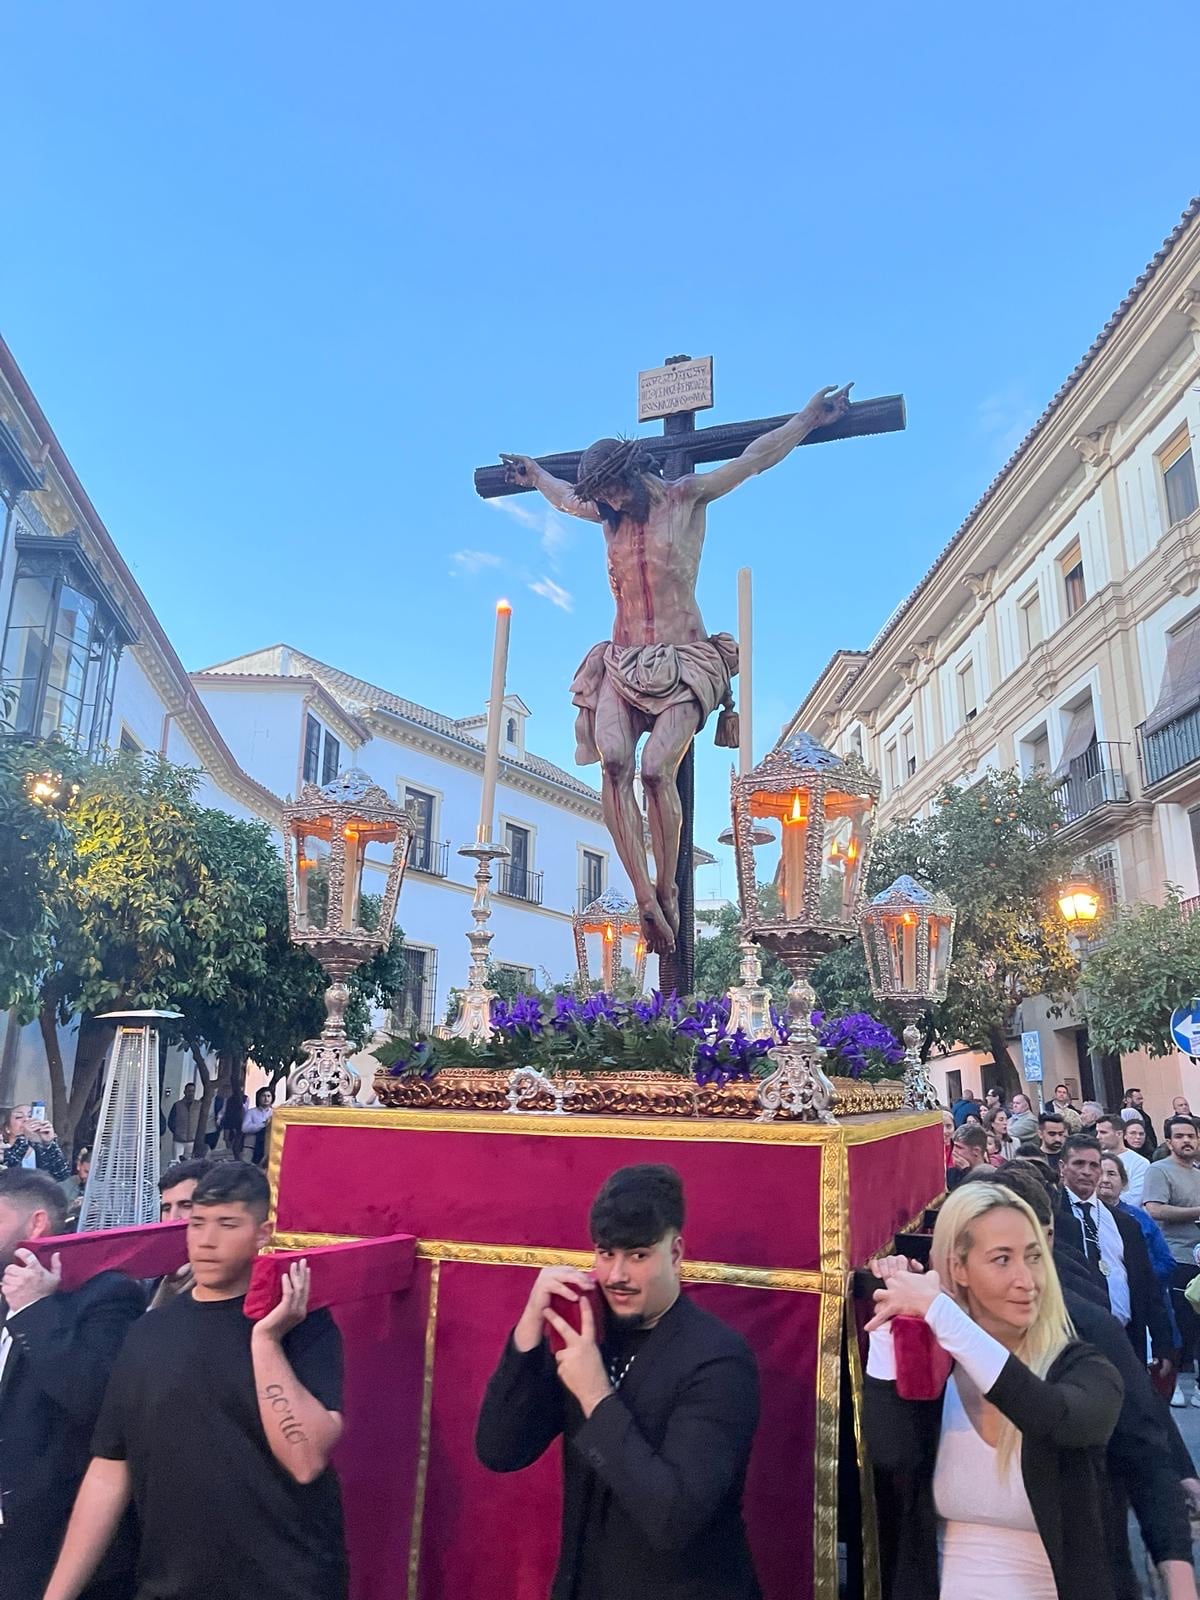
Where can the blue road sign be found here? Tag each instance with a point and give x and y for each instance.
(1185, 1028)
(1031, 1056)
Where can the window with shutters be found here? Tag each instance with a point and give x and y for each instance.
(968, 703)
(1074, 587)
(908, 753)
(312, 749)
(413, 1004)
(1029, 610)
(891, 767)
(421, 806)
(592, 886)
(1178, 469)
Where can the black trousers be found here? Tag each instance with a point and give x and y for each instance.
(1189, 1322)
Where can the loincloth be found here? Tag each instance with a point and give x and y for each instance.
(654, 677)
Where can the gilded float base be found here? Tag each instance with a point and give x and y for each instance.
(629, 1094)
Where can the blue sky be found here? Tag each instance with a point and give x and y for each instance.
(283, 276)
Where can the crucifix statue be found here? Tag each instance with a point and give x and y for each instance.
(661, 675)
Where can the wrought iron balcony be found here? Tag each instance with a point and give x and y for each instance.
(428, 855)
(1170, 748)
(1094, 779)
(518, 883)
(588, 893)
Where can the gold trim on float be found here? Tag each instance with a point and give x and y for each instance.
(835, 1248)
(275, 1163)
(517, 1255)
(825, 1464)
(871, 1577)
(694, 1131)
(422, 1475)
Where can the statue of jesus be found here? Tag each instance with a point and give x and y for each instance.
(661, 674)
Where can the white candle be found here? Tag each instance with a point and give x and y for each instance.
(491, 757)
(745, 692)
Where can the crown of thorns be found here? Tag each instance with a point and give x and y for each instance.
(627, 456)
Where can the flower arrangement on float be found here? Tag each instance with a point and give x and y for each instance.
(601, 1034)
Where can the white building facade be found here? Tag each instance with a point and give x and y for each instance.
(1060, 630)
(83, 655)
(290, 719)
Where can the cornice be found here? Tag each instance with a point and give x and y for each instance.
(429, 742)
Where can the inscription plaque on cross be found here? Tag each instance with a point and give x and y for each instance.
(661, 675)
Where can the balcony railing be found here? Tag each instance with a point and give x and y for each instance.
(520, 884)
(1094, 779)
(587, 893)
(428, 855)
(1170, 748)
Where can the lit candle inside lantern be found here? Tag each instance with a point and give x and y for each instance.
(745, 679)
(795, 837)
(491, 758)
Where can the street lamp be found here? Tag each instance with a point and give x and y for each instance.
(327, 836)
(615, 919)
(908, 938)
(1079, 903)
(824, 807)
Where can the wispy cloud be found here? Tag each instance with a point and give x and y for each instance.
(473, 561)
(554, 531)
(555, 593)
(1005, 417)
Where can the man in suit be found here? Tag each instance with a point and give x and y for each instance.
(1114, 1250)
(656, 1401)
(56, 1351)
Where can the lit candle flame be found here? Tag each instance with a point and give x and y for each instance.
(797, 813)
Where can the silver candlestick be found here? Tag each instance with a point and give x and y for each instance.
(750, 999)
(474, 1020)
(798, 1086)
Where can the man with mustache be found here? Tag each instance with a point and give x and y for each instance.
(656, 1401)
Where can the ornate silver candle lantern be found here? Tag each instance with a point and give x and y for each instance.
(824, 807)
(908, 936)
(329, 836)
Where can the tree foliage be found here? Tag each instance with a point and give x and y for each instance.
(995, 849)
(719, 954)
(148, 899)
(1147, 964)
(36, 847)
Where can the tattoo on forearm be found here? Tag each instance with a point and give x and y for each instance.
(288, 1424)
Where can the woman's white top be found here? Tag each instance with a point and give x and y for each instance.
(990, 1546)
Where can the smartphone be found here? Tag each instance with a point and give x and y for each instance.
(569, 1311)
(37, 1111)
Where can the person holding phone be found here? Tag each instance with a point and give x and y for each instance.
(1001, 1480)
(656, 1402)
(27, 1140)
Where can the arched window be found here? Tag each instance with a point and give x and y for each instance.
(511, 734)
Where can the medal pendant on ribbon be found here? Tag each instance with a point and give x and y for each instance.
(1105, 1268)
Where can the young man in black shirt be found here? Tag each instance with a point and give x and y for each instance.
(206, 1409)
(656, 1401)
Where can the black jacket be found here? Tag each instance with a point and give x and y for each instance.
(1065, 1421)
(1146, 1456)
(63, 1348)
(1147, 1307)
(668, 1454)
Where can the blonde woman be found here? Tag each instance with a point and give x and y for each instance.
(1004, 1473)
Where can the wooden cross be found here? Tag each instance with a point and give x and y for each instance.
(683, 446)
